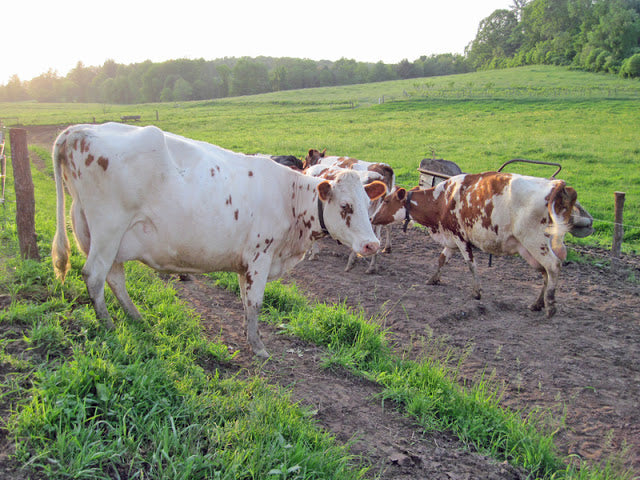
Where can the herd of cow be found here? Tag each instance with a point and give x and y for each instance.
(185, 206)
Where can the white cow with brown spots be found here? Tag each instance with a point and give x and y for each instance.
(317, 164)
(499, 213)
(185, 206)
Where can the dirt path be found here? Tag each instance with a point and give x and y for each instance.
(584, 363)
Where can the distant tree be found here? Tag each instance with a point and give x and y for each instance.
(279, 78)
(225, 80)
(631, 66)
(15, 90)
(406, 69)
(45, 87)
(81, 78)
(182, 90)
(497, 37)
(381, 72)
(618, 28)
(344, 71)
(110, 68)
(249, 77)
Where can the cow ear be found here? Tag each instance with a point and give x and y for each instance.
(322, 153)
(401, 193)
(324, 190)
(375, 189)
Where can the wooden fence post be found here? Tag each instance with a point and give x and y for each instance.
(618, 231)
(25, 200)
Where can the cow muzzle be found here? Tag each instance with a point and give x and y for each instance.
(369, 248)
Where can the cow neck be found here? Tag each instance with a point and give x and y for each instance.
(407, 207)
(306, 200)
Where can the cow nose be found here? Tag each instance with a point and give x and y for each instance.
(370, 248)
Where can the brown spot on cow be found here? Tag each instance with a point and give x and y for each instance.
(250, 173)
(347, 163)
(104, 163)
(62, 152)
(267, 243)
(213, 172)
(235, 214)
(89, 160)
(346, 212)
(228, 201)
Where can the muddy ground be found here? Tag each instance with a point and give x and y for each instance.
(582, 365)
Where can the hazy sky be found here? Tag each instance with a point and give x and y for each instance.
(38, 35)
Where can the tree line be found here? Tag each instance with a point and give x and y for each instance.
(595, 35)
(183, 79)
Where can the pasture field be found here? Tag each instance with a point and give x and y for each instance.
(586, 122)
(157, 398)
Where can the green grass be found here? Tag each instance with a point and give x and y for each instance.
(586, 122)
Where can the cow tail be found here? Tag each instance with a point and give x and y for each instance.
(560, 204)
(60, 248)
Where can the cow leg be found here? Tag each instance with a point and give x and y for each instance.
(80, 228)
(312, 253)
(351, 261)
(549, 265)
(539, 303)
(387, 242)
(444, 258)
(252, 285)
(95, 274)
(551, 280)
(373, 264)
(96, 267)
(467, 254)
(116, 281)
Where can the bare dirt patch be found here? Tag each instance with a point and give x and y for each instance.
(583, 364)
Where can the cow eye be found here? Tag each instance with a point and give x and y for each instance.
(345, 206)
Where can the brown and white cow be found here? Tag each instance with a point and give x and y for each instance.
(184, 206)
(499, 213)
(318, 165)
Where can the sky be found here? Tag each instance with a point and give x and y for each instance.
(43, 35)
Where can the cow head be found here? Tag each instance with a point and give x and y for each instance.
(392, 209)
(345, 203)
(313, 157)
(581, 223)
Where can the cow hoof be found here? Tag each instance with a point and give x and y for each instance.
(262, 354)
(109, 325)
(551, 311)
(477, 295)
(371, 271)
(536, 307)
(433, 281)
(386, 250)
